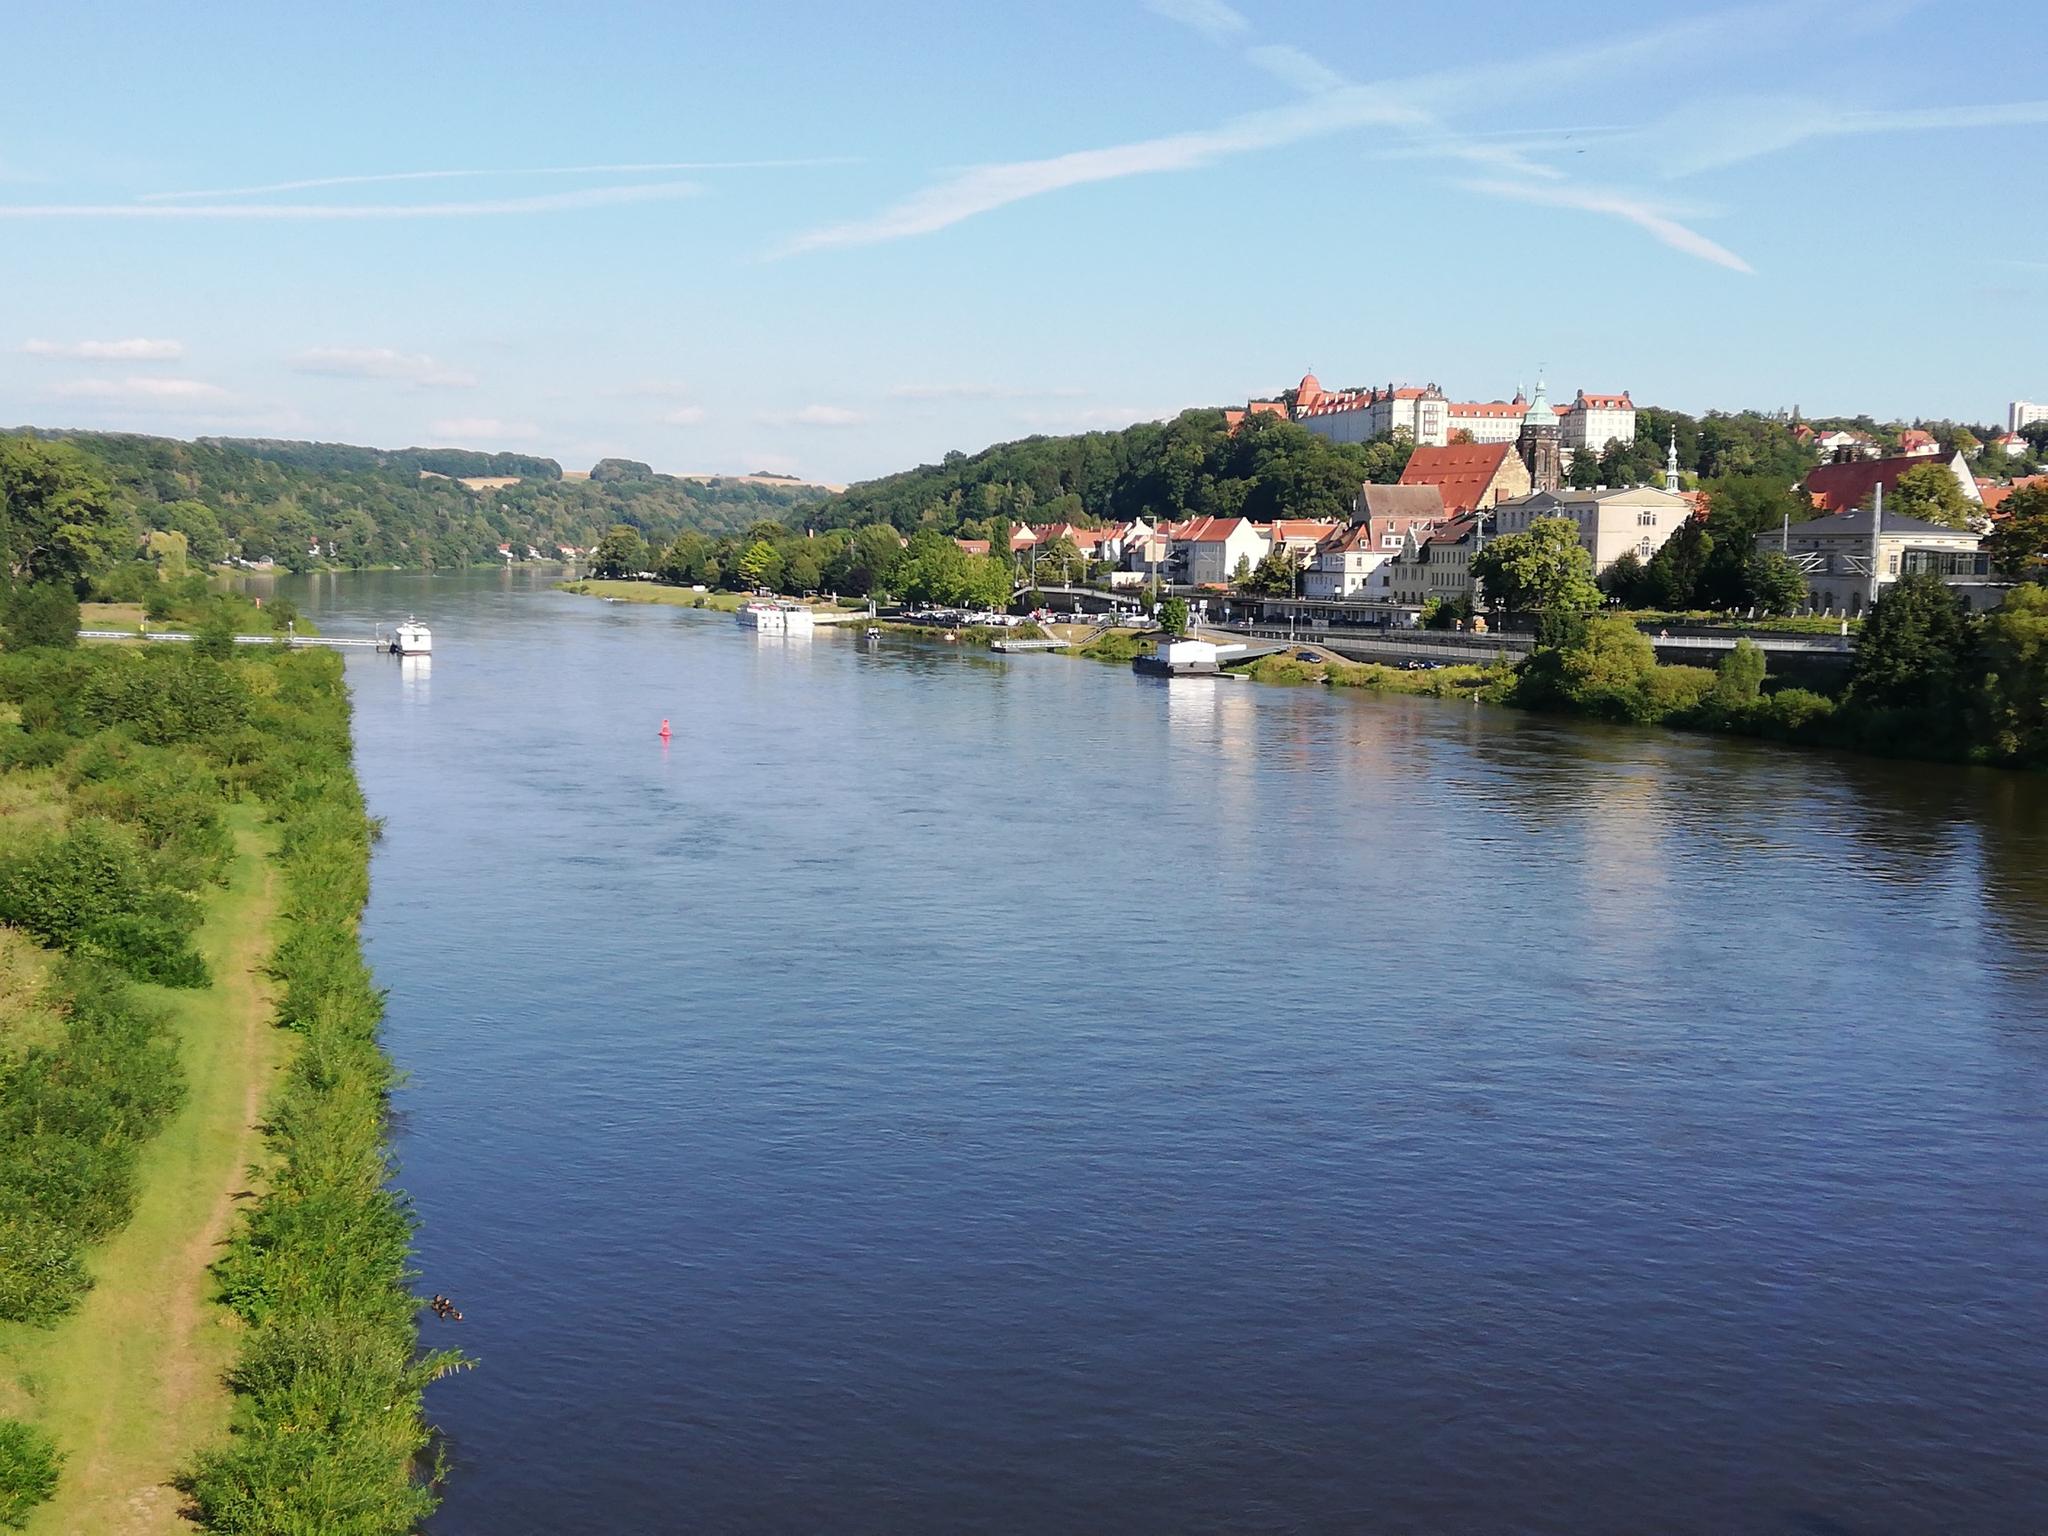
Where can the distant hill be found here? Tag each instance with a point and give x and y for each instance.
(409, 507)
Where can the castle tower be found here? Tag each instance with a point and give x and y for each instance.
(1671, 464)
(1538, 444)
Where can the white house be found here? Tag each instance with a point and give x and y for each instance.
(1593, 421)
(1206, 551)
(1611, 522)
(1834, 553)
(1489, 421)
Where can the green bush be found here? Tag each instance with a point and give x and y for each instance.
(45, 614)
(28, 1471)
(91, 889)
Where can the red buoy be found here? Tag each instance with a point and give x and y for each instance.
(664, 730)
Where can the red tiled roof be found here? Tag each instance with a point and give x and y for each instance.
(1620, 402)
(1462, 472)
(1914, 437)
(1301, 528)
(973, 546)
(1495, 410)
(1995, 495)
(1842, 487)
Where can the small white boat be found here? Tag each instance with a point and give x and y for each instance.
(412, 638)
(776, 618)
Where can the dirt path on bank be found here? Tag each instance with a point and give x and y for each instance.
(131, 1385)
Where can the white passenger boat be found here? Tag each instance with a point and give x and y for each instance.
(412, 638)
(776, 618)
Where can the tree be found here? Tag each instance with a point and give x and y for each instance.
(214, 635)
(1173, 616)
(1624, 581)
(1538, 571)
(2018, 542)
(57, 521)
(1673, 577)
(621, 553)
(1739, 510)
(1273, 577)
(1931, 493)
(682, 563)
(800, 573)
(1242, 572)
(1584, 472)
(1739, 679)
(196, 521)
(1773, 582)
(1913, 650)
(2013, 707)
(870, 559)
(761, 564)
(45, 613)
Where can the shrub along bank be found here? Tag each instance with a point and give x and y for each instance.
(117, 768)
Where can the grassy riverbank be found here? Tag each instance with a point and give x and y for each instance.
(132, 1384)
(183, 857)
(652, 592)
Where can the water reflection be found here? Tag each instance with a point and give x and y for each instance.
(414, 675)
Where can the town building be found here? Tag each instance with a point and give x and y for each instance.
(1845, 487)
(1469, 475)
(1839, 443)
(1207, 550)
(1540, 444)
(1611, 523)
(2022, 414)
(2012, 445)
(1835, 555)
(1384, 516)
(1914, 443)
(1359, 416)
(1487, 421)
(1593, 421)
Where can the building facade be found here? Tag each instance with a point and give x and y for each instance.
(1593, 421)
(1540, 446)
(1611, 523)
(1469, 475)
(1850, 559)
(2022, 414)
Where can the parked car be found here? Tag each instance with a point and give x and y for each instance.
(1306, 656)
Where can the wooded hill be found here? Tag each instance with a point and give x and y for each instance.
(260, 498)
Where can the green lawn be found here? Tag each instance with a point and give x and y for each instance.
(651, 592)
(130, 1385)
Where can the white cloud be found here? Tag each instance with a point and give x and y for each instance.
(134, 349)
(1660, 225)
(551, 202)
(486, 428)
(684, 416)
(412, 368)
(1708, 135)
(377, 178)
(981, 189)
(1212, 18)
(1291, 66)
(980, 392)
(1406, 105)
(139, 387)
(814, 416)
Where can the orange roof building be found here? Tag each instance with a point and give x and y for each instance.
(1469, 475)
(1845, 487)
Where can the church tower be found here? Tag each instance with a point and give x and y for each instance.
(1538, 444)
(1671, 464)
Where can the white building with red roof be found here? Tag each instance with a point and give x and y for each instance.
(1206, 551)
(1489, 421)
(1917, 443)
(1595, 420)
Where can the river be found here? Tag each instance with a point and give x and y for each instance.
(940, 1093)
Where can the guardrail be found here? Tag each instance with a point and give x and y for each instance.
(297, 642)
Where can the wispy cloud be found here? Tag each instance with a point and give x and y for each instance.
(982, 189)
(384, 363)
(1657, 222)
(378, 178)
(1211, 18)
(1411, 106)
(141, 387)
(551, 202)
(1708, 135)
(980, 392)
(683, 416)
(814, 416)
(484, 428)
(133, 349)
(1291, 66)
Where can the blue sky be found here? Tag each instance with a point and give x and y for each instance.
(840, 239)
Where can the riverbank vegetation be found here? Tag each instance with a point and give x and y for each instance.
(131, 780)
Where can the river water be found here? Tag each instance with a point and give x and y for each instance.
(939, 1094)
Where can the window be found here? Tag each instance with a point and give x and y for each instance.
(1644, 550)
